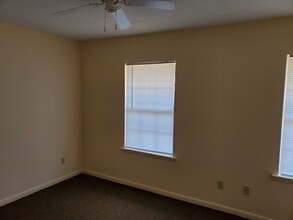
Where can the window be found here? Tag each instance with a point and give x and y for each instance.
(286, 152)
(149, 107)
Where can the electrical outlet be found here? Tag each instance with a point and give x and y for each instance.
(220, 185)
(62, 160)
(246, 190)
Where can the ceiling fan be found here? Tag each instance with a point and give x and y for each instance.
(113, 7)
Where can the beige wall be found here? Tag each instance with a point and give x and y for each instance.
(40, 108)
(229, 87)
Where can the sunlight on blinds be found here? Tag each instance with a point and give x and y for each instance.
(286, 154)
(149, 107)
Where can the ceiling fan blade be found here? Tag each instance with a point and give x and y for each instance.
(121, 19)
(160, 4)
(63, 12)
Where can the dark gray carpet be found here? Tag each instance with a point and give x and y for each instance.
(84, 197)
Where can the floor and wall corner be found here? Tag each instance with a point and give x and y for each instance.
(61, 98)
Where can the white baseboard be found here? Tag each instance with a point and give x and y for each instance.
(200, 202)
(38, 188)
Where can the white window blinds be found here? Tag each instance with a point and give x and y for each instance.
(149, 107)
(286, 154)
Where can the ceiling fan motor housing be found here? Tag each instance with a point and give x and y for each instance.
(111, 5)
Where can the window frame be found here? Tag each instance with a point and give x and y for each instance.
(143, 152)
(279, 176)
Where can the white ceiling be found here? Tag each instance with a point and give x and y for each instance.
(88, 23)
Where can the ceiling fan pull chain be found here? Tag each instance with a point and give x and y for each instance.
(105, 20)
(115, 20)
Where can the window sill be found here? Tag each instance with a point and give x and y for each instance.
(284, 179)
(150, 154)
